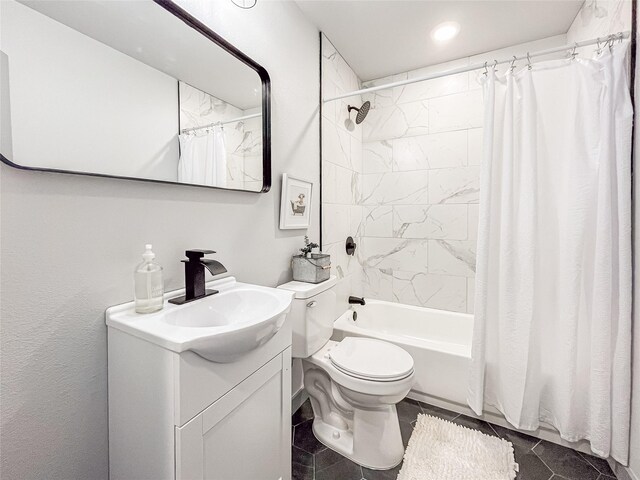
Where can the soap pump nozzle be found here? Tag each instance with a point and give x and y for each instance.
(148, 255)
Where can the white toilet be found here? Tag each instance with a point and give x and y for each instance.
(354, 384)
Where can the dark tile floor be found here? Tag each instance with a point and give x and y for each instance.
(538, 459)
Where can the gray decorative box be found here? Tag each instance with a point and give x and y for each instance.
(313, 269)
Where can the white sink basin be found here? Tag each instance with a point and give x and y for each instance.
(220, 328)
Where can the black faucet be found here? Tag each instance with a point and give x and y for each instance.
(354, 300)
(194, 276)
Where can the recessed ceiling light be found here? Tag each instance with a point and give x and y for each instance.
(445, 31)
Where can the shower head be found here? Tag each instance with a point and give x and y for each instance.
(362, 111)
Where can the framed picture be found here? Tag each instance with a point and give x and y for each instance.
(295, 203)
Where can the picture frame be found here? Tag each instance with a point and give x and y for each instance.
(295, 203)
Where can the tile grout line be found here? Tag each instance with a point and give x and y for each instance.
(579, 456)
(584, 457)
(543, 462)
(313, 457)
(305, 451)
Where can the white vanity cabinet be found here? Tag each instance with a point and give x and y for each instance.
(240, 435)
(180, 416)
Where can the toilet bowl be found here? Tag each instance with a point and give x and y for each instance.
(354, 385)
(355, 415)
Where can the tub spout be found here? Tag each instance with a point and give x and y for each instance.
(356, 300)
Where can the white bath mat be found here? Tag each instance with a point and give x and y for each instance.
(442, 450)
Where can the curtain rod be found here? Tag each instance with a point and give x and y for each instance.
(478, 66)
(233, 120)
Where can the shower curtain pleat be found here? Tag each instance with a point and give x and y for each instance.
(203, 158)
(553, 276)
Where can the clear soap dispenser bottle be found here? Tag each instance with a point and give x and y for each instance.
(149, 286)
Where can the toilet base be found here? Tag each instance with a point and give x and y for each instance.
(354, 417)
(372, 440)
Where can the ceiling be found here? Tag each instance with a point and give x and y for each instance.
(382, 37)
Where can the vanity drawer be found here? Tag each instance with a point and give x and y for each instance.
(200, 382)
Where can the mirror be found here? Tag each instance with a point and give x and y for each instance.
(130, 89)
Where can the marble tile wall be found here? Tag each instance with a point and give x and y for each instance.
(420, 187)
(341, 173)
(419, 190)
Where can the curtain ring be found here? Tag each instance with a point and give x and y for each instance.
(513, 64)
(529, 66)
(486, 72)
(495, 64)
(599, 47)
(574, 54)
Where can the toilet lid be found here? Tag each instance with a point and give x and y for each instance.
(371, 359)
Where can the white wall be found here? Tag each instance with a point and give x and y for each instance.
(77, 104)
(69, 245)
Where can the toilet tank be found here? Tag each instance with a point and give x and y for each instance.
(312, 315)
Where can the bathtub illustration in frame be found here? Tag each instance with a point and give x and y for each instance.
(295, 203)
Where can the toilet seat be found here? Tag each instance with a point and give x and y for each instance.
(371, 359)
(322, 359)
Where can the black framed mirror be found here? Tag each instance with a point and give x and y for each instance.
(135, 89)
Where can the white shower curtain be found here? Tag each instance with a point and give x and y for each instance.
(203, 158)
(552, 334)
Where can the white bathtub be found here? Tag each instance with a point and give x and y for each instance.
(439, 342)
